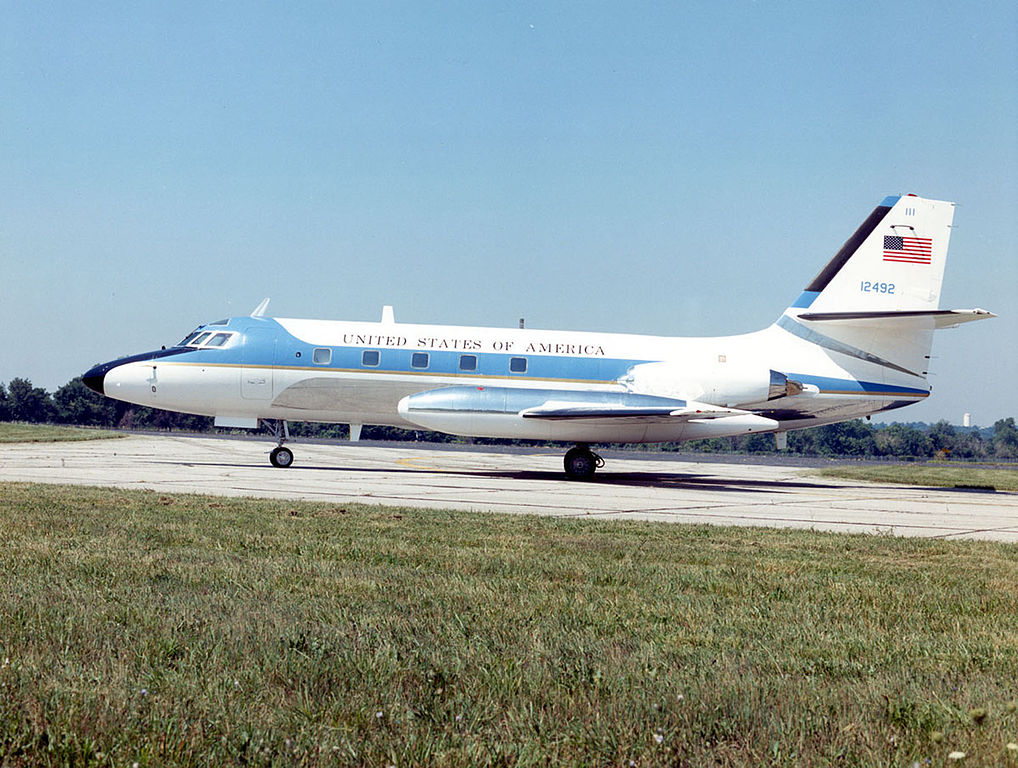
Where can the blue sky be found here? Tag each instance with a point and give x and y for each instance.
(644, 167)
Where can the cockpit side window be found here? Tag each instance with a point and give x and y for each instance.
(200, 338)
(218, 340)
(188, 339)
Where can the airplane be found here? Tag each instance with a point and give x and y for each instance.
(856, 341)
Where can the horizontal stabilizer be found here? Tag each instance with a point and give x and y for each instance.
(942, 318)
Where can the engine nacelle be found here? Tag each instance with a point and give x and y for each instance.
(723, 384)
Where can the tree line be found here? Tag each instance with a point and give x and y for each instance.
(74, 403)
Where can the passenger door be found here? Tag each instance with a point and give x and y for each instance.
(256, 372)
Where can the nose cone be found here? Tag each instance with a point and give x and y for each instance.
(94, 378)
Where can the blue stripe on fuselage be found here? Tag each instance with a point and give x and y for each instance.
(830, 385)
(266, 343)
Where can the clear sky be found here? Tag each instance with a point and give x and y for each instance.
(672, 168)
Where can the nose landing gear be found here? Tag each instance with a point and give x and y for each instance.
(280, 456)
(581, 462)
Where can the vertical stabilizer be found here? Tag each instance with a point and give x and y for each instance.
(894, 261)
(878, 299)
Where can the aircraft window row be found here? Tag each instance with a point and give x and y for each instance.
(372, 358)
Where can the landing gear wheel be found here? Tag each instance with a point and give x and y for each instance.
(580, 463)
(281, 457)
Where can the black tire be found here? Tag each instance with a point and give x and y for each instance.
(281, 457)
(580, 464)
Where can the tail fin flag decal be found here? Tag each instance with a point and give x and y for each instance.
(908, 250)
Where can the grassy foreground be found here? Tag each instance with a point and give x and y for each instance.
(938, 475)
(16, 432)
(182, 630)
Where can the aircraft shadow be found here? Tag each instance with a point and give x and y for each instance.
(604, 478)
(656, 480)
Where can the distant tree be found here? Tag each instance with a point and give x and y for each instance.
(318, 429)
(77, 404)
(5, 404)
(968, 445)
(1005, 439)
(706, 445)
(760, 443)
(28, 403)
(398, 433)
(802, 442)
(904, 442)
(846, 438)
(140, 417)
(943, 437)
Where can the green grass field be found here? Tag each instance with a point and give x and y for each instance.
(16, 432)
(182, 630)
(940, 475)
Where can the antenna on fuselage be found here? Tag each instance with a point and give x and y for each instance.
(259, 311)
(388, 317)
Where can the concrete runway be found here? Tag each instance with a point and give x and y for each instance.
(532, 481)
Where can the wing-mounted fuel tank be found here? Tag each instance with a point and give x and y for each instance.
(723, 384)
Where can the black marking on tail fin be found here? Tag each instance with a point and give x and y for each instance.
(851, 245)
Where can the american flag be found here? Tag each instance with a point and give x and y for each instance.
(910, 250)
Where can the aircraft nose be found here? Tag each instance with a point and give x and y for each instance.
(95, 376)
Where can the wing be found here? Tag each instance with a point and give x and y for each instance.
(679, 411)
(555, 414)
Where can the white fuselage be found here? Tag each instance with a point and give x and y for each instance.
(358, 373)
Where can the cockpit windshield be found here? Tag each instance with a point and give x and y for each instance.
(203, 338)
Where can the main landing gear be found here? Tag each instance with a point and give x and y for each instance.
(581, 462)
(280, 456)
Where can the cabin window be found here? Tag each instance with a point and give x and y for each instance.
(370, 357)
(419, 360)
(518, 365)
(468, 362)
(218, 340)
(322, 356)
